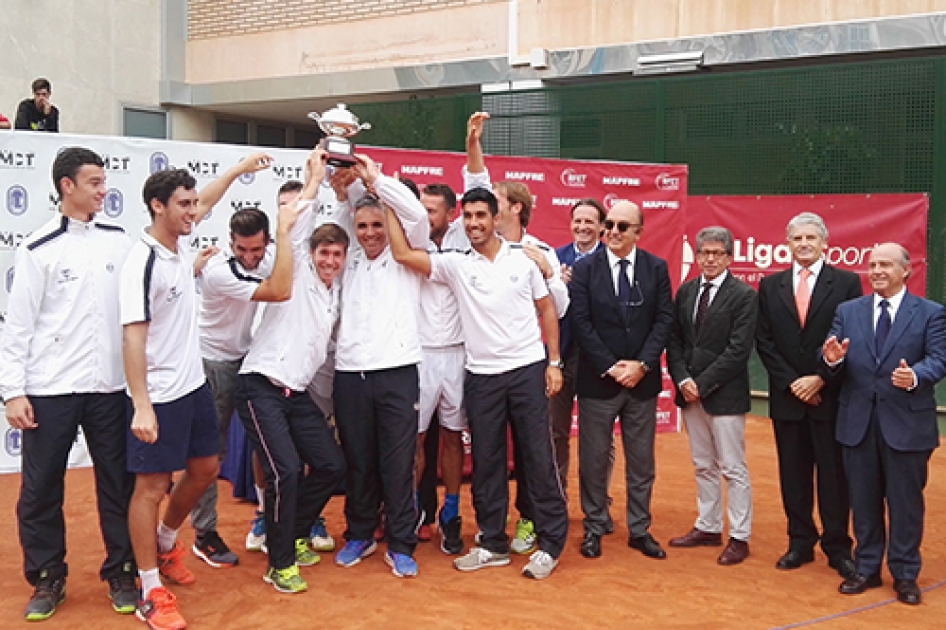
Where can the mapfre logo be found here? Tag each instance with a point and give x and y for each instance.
(415, 169)
(568, 202)
(665, 181)
(114, 203)
(660, 205)
(573, 179)
(17, 159)
(621, 181)
(524, 176)
(18, 200)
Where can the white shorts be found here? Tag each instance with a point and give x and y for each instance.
(441, 387)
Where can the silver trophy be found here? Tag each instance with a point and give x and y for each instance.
(339, 124)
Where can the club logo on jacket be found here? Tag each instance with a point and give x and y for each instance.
(173, 294)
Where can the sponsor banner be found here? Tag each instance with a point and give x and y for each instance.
(30, 198)
(855, 224)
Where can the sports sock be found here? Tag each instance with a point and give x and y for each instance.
(451, 508)
(149, 580)
(261, 498)
(166, 538)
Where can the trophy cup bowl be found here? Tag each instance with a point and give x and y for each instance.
(339, 124)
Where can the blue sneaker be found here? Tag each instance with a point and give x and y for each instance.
(354, 552)
(256, 539)
(402, 565)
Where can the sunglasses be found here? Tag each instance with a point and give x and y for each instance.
(623, 226)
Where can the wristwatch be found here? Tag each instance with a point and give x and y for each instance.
(557, 364)
(645, 367)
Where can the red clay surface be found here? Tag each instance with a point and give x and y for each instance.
(621, 589)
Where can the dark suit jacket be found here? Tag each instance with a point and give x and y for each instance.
(718, 357)
(566, 256)
(790, 351)
(907, 419)
(602, 334)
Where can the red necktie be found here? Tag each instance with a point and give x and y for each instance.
(803, 295)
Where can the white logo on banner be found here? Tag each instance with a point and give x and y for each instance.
(661, 205)
(610, 199)
(411, 169)
(573, 179)
(114, 203)
(665, 182)
(523, 176)
(18, 201)
(621, 181)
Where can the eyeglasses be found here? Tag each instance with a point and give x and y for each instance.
(712, 253)
(623, 226)
(636, 297)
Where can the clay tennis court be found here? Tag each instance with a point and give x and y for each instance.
(621, 589)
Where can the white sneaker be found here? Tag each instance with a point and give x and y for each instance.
(320, 539)
(540, 566)
(479, 558)
(256, 538)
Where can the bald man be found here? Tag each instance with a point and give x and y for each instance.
(621, 312)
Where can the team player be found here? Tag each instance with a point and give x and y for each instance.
(231, 286)
(376, 381)
(60, 368)
(173, 424)
(282, 421)
(514, 202)
(498, 290)
(441, 369)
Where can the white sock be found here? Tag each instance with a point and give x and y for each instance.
(166, 538)
(149, 580)
(261, 494)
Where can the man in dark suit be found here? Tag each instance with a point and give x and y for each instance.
(587, 225)
(888, 350)
(796, 308)
(708, 354)
(621, 311)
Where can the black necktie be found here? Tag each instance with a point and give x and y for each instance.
(624, 287)
(883, 327)
(703, 306)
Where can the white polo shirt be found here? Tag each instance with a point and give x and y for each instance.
(292, 340)
(557, 288)
(496, 299)
(227, 308)
(62, 332)
(378, 328)
(439, 315)
(158, 287)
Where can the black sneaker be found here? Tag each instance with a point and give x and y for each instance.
(210, 548)
(48, 594)
(451, 540)
(123, 591)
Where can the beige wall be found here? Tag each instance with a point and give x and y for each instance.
(98, 55)
(554, 24)
(462, 32)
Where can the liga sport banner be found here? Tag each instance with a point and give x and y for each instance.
(855, 224)
(30, 200)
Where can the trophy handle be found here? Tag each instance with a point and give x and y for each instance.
(315, 116)
(364, 126)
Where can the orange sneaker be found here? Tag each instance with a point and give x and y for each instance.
(159, 611)
(171, 566)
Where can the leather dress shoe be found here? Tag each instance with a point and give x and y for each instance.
(734, 553)
(697, 538)
(844, 566)
(591, 545)
(907, 591)
(859, 583)
(794, 559)
(647, 546)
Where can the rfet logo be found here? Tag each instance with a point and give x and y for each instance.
(610, 199)
(13, 442)
(18, 201)
(114, 203)
(666, 181)
(573, 179)
(158, 162)
(9, 279)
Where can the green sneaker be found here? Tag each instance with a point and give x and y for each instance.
(305, 557)
(524, 541)
(286, 580)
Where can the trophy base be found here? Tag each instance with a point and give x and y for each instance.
(341, 160)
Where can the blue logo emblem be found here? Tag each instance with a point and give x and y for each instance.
(247, 178)
(18, 201)
(10, 279)
(114, 203)
(158, 162)
(13, 442)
